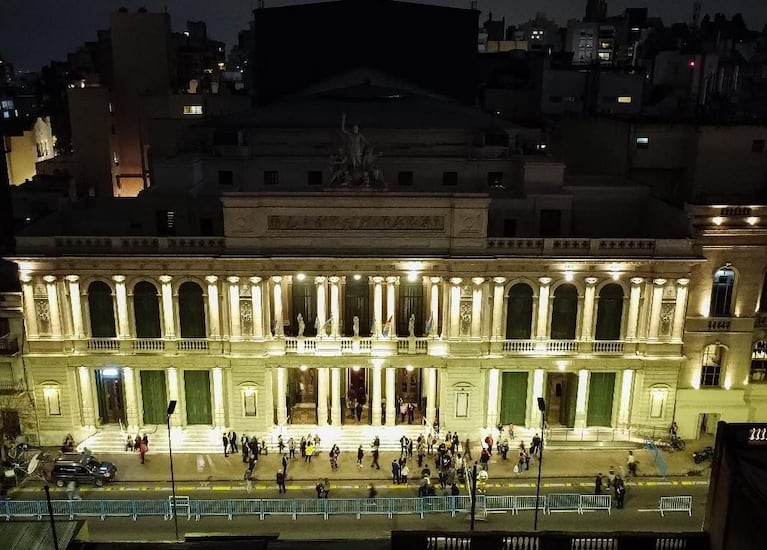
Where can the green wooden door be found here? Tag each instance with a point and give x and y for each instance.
(197, 391)
(601, 390)
(514, 398)
(153, 396)
(567, 413)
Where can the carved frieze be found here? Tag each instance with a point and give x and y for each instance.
(356, 223)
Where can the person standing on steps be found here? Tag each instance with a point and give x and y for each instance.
(225, 440)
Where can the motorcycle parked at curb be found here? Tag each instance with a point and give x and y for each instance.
(704, 454)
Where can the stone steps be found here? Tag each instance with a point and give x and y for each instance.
(195, 439)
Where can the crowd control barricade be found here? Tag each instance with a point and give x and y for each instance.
(373, 506)
(311, 507)
(201, 508)
(499, 502)
(23, 509)
(563, 502)
(675, 504)
(245, 507)
(343, 507)
(405, 506)
(595, 502)
(181, 507)
(278, 507)
(527, 502)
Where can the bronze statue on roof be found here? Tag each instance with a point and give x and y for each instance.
(354, 163)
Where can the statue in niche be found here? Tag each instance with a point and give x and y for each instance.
(354, 163)
(356, 326)
(411, 326)
(301, 325)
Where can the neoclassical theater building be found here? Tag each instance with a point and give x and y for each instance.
(459, 277)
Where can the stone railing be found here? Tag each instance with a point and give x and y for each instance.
(9, 345)
(193, 344)
(118, 245)
(102, 344)
(590, 247)
(148, 344)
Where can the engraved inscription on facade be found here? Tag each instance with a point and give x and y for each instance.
(366, 223)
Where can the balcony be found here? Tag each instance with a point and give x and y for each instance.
(720, 324)
(562, 347)
(9, 345)
(11, 387)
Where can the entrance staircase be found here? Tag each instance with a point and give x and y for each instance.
(348, 437)
(191, 439)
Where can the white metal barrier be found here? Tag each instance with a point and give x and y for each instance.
(675, 504)
(595, 502)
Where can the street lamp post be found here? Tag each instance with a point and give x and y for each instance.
(542, 408)
(171, 408)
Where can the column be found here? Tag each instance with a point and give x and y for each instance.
(219, 415)
(77, 308)
(335, 396)
(581, 401)
(391, 314)
(655, 309)
(535, 413)
(498, 308)
(376, 399)
(30, 312)
(322, 315)
(214, 311)
(431, 395)
(123, 327)
(434, 306)
(588, 308)
(278, 328)
(322, 396)
(633, 315)
(234, 307)
(258, 312)
(377, 306)
(455, 308)
(168, 319)
(282, 412)
(680, 309)
(53, 305)
(543, 308)
(86, 397)
(391, 397)
(493, 377)
(335, 306)
(624, 411)
(173, 395)
(476, 307)
(131, 404)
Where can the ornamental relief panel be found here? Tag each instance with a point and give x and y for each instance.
(43, 316)
(666, 318)
(246, 316)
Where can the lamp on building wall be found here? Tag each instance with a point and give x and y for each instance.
(542, 408)
(171, 409)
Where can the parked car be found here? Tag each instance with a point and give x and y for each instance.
(86, 469)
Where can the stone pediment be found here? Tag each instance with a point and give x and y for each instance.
(354, 220)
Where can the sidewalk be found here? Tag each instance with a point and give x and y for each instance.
(557, 463)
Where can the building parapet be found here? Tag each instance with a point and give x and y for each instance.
(593, 247)
(121, 245)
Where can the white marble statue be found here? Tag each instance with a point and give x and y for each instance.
(411, 326)
(301, 325)
(356, 325)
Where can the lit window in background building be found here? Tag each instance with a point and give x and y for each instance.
(192, 109)
(624, 99)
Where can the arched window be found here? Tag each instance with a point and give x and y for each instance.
(357, 304)
(721, 292)
(609, 313)
(763, 298)
(519, 312)
(759, 361)
(191, 311)
(564, 313)
(146, 310)
(304, 301)
(711, 365)
(102, 310)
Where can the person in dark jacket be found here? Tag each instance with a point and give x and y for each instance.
(225, 440)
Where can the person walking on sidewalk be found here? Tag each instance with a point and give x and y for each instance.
(232, 441)
(376, 445)
(598, 484)
(631, 464)
(292, 448)
(467, 449)
(360, 455)
(431, 439)
(285, 466)
(225, 440)
(281, 482)
(403, 473)
(421, 452)
(620, 491)
(395, 472)
(142, 451)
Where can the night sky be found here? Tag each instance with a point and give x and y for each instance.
(32, 32)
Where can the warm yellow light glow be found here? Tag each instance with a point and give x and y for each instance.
(561, 365)
(752, 220)
(248, 392)
(357, 276)
(356, 369)
(414, 266)
(569, 275)
(624, 99)
(727, 383)
(695, 381)
(300, 276)
(615, 275)
(49, 392)
(745, 381)
(303, 368)
(718, 220)
(409, 368)
(412, 276)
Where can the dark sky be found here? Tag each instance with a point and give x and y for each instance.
(32, 32)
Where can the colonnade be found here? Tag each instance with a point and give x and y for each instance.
(382, 379)
(460, 314)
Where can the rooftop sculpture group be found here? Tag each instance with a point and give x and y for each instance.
(354, 163)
